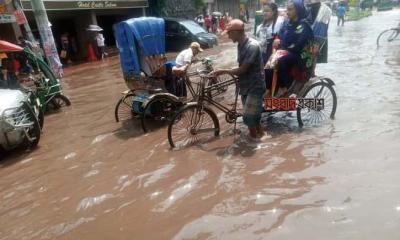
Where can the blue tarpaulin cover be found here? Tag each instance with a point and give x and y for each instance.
(146, 33)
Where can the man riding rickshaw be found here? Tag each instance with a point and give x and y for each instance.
(157, 87)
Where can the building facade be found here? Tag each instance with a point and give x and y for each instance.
(72, 18)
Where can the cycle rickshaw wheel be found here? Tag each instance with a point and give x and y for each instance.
(123, 109)
(192, 124)
(158, 112)
(34, 129)
(59, 101)
(307, 116)
(386, 37)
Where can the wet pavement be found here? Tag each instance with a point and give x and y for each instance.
(93, 178)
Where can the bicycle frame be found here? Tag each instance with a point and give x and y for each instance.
(205, 97)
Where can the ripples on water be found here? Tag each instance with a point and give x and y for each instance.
(96, 179)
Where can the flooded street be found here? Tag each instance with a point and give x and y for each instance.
(93, 178)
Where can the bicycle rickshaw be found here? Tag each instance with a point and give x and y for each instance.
(313, 98)
(46, 85)
(388, 36)
(38, 77)
(21, 116)
(152, 97)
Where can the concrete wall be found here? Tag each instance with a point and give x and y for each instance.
(180, 8)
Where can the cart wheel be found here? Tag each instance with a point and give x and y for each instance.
(316, 116)
(158, 112)
(123, 109)
(386, 37)
(33, 130)
(59, 101)
(40, 116)
(38, 110)
(192, 124)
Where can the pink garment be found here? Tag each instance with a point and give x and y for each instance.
(275, 56)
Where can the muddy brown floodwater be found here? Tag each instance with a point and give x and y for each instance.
(93, 178)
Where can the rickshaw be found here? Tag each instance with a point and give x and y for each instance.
(38, 77)
(46, 85)
(147, 73)
(21, 116)
(311, 97)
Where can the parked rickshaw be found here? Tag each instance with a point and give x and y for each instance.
(21, 116)
(148, 75)
(36, 75)
(46, 85)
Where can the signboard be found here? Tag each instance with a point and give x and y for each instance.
(88, 4)
(3, 8)
(7, 18)
(96, 4)
(20, 17)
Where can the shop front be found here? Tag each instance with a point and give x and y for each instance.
(70, 19)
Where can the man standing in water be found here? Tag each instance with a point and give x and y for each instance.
(340, 12)
(251, 76)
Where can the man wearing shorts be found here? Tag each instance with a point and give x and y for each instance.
(251, 76)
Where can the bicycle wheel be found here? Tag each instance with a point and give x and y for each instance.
(40, 115)
(386, 37)
(123, 109)
(37, 108)
(192, 124)
(316, 116)
(33, 129)
(59, 101)
(158, 112)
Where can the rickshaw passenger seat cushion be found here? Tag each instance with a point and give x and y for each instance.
(170, 78)
(171, 63)
(137, 104)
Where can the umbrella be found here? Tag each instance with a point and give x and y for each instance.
(217, 14)
(9, 47)
(94, 28)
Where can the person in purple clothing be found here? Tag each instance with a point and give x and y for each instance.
(294, 36)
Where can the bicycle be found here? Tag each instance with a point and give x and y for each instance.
(388, 36)
(196, 120)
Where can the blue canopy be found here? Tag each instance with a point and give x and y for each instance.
(147, 33)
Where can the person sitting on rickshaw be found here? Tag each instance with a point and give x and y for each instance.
(9, 72)
(294, 36)
(177, 85)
